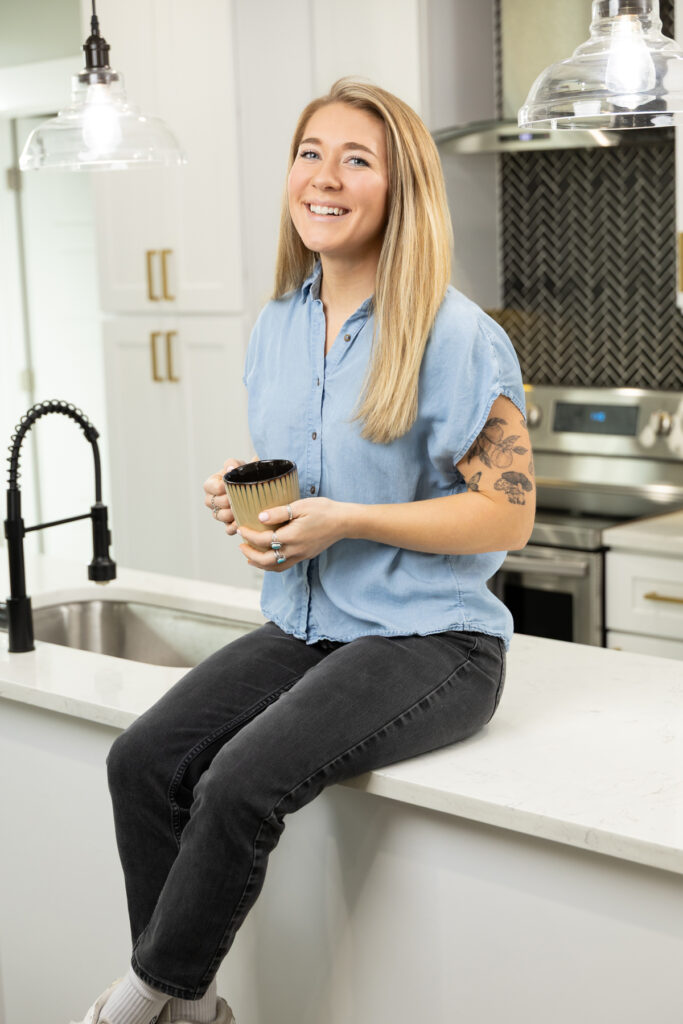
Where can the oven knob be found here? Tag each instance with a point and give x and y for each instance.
(663, 422)
(533, 415)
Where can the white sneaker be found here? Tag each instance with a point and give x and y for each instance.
(223, 1016)
(93, 1014)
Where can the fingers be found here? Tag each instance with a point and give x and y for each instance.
(257, 548)
(260, 540)
(279, 514)
(259, 553)
(215, 498)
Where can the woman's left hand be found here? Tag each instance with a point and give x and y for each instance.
(316, 524)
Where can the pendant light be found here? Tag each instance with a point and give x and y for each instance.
(99, 130)
(628, 75)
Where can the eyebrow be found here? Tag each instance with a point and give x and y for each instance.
(347, 145)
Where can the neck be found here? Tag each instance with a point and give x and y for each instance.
(347, 283)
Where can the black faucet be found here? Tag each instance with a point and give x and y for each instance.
(101, 569)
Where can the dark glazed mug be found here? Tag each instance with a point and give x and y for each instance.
(260, 485)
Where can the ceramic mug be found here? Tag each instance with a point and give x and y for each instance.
(260, 485)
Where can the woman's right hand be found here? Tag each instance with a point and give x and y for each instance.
(215, 492)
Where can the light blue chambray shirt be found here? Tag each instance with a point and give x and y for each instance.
(300, 408)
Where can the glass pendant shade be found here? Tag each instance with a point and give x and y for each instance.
(99, 130)
(628, 75)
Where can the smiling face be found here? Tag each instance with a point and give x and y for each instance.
(338, 184)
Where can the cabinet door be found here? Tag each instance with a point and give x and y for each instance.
(210, 350)
(169, 238)
(130, 205)
(167, 435)
(148, 451)
(678, 23)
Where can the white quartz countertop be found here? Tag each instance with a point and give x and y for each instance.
(586, 748)
(658, 534)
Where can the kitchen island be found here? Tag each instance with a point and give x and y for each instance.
(530, 873)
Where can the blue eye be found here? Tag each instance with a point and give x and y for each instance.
(307, 152)
(360, 160)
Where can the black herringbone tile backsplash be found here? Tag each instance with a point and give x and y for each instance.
(589, 263)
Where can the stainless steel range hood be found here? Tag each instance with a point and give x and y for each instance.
(533, 35)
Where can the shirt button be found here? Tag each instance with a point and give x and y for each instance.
(314, 435)
(317, 383)
(312, 490)
(347, 337)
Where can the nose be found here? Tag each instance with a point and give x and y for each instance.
(326, 176)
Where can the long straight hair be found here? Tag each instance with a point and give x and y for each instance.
(414, 266)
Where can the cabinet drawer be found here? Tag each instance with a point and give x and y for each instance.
(638, 644)
(644, 594)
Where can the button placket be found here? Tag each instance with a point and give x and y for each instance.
(312, 484)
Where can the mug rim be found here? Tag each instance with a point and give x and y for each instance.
(253, 483)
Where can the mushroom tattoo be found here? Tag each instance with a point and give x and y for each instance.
(514, 485)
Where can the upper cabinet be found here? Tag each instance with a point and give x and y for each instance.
(678, 27)
(170, 238)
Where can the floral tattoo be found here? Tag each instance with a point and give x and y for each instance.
(497, 451)
(493, 448)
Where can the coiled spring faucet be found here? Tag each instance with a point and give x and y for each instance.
(101, 569)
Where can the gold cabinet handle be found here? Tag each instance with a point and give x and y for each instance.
(152, 342)
(164, 274)
(150, 276)
(654, 596)
(169, 356)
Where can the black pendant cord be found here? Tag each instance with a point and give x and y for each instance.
(96, 48)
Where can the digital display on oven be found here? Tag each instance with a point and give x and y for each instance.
(581, 418)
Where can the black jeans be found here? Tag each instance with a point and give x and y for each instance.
(202, 781)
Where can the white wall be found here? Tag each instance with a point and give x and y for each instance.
(37, 30)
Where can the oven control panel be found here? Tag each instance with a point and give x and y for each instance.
(606, 421)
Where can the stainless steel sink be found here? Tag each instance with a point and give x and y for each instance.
(136, 631)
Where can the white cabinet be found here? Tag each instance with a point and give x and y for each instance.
(175, 416)
(678, 23)
(644, 603)
(170, 238)
(638, 644)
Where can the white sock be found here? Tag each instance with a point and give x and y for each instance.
(196, 1011)
(133, 1002)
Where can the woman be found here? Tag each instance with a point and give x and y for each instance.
(402, 404)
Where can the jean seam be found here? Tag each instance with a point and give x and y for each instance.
(218, 956)
(501, 680)
(206, 741)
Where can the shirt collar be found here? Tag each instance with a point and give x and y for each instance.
(311, 288)
(312, 283)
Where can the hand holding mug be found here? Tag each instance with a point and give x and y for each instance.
(217, 500)
(316, 524)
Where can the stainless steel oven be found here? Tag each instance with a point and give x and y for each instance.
(601, 456)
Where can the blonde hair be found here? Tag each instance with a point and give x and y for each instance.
(414, 267)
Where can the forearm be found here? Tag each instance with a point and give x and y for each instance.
(458, 524)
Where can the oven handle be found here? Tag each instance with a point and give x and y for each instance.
(545, 566)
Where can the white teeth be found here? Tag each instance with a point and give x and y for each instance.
(336, 210)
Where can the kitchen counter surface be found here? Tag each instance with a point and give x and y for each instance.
(659, 534)
(586, 748)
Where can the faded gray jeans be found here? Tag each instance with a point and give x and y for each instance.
(201, 782)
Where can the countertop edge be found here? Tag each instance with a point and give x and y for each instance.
(512, 819)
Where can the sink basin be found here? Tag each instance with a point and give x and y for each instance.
(136, 631)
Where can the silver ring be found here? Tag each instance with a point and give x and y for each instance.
(213, 506)
(291, 514)
(275, 543)
(279, 557)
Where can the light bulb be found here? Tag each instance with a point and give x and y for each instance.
(101, 129)
(630, 68)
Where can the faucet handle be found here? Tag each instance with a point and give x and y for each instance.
(102, 569)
